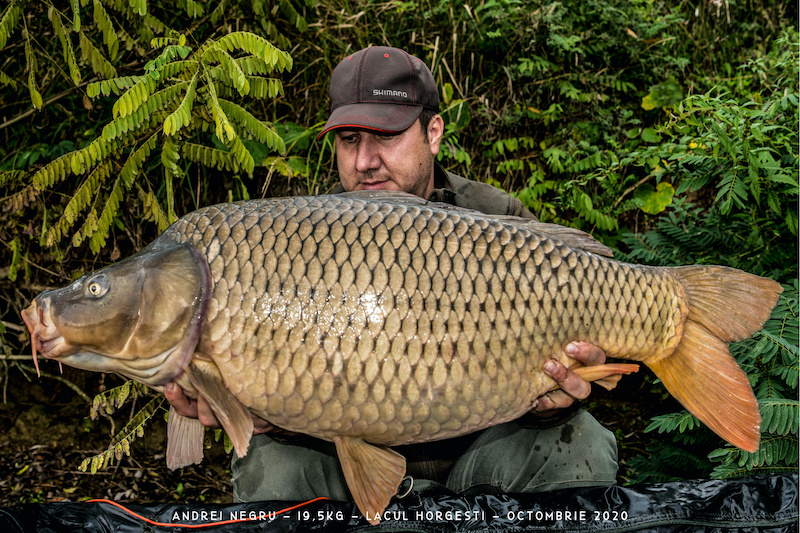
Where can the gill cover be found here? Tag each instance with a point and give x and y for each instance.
(140, 317)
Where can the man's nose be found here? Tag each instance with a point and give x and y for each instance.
(368, 155)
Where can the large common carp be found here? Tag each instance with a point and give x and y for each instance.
(374, 320)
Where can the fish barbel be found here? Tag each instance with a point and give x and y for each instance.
(379, 319)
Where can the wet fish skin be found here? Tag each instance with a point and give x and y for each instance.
(379, 320)
(139, 317)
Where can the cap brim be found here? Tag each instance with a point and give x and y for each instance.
(384, 118)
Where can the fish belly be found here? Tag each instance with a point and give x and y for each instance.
(402, 323)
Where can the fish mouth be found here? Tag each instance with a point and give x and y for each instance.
(45, 337)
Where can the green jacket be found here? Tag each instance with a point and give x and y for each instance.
(463, 192)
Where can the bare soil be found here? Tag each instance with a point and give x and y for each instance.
(45, 434)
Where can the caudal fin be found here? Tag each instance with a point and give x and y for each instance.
(725, 305)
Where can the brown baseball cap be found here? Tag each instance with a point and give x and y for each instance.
(380, 88)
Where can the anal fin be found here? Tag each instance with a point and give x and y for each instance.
(606, 375)
(234, 417)
(372, 473)
(184, 440)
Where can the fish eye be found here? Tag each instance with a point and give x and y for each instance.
(97, 287)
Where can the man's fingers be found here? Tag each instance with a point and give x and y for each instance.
(586, 353)
(188, 407)
(553, 400)
(201, 410)
(569, 382)
(205, 414)
(182, 404)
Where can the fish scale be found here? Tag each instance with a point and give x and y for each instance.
(368, 310)
(378, 319)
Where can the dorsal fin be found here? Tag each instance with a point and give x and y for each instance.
(399, 197)
(574, 238)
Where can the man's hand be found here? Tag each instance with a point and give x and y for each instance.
(200, 409)
(572, 386)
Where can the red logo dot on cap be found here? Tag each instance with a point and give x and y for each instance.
(385, 55)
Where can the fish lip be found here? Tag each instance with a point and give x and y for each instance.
(46, 340)
(48, 347)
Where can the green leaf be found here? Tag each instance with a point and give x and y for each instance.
(780, 416)
(259, 130)
(66, 45)
(650, 135)
(8, 21)
(233, 71)
(103, 22)
(139, 6)
(224, 130)
(76, 15)
(655, 200)
(666, 94)
(89, 53)
(134, 97)
(36, 97)
(257, 46)
(182, 116)
(16, 258)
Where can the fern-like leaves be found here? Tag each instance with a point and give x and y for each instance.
(8, 21)
(120, 444)
(66, 45)
(171, 106)
(30, 57)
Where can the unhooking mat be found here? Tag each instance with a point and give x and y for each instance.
(758, 504)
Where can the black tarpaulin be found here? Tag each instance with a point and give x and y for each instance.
(758, 504)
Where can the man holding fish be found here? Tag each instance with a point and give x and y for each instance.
(384, 114)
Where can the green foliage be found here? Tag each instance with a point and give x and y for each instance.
(111, 400)
(743, 156)
(106, 404)
(120, 444)
(169, 104)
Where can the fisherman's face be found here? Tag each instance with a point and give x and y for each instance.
(371, 161)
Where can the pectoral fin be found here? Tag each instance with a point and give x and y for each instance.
(236, 420)
(372, 473)
(184, 440)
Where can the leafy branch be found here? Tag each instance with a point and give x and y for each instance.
(171, 105)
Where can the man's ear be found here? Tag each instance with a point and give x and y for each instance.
(435, 133)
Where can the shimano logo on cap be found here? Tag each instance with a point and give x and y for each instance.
(386, 92)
